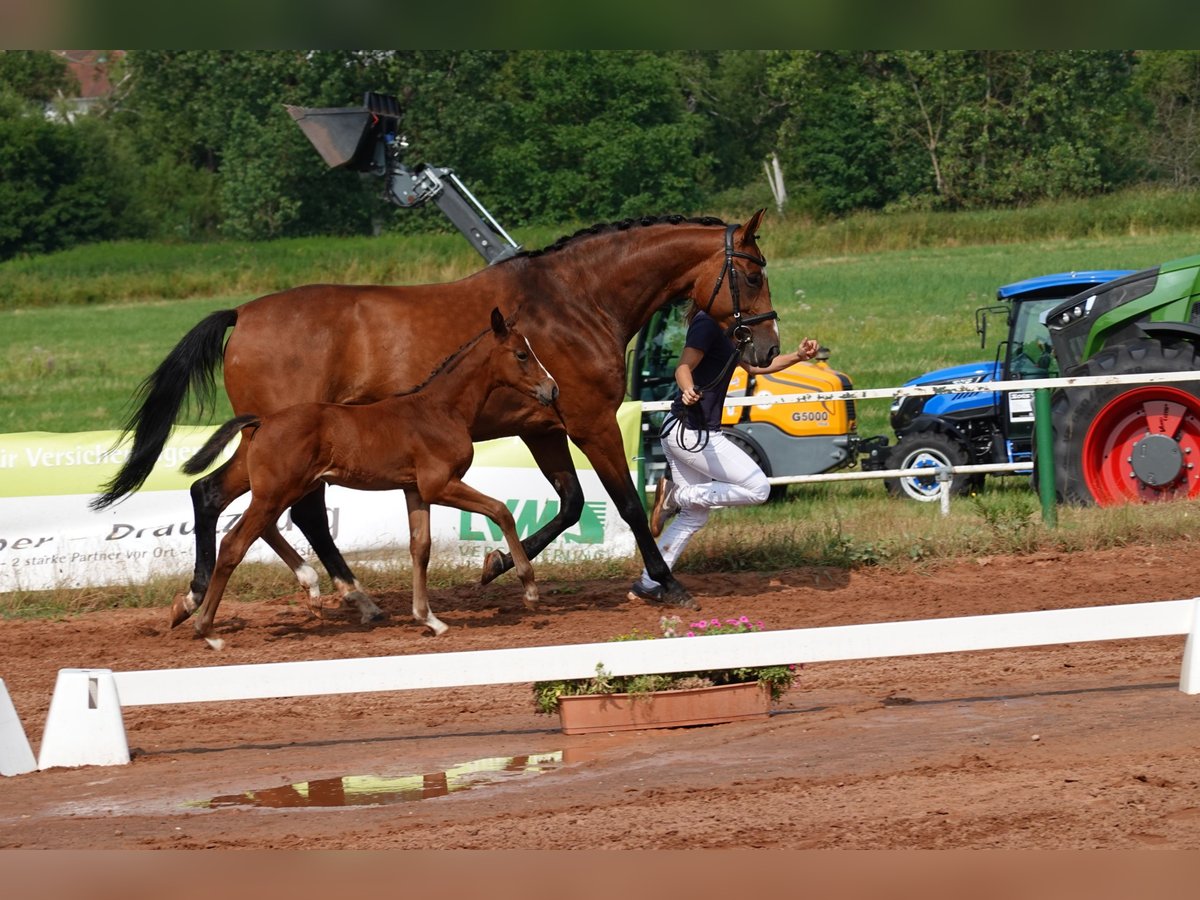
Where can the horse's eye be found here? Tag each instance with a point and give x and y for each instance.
(754, 279)
(522, 355)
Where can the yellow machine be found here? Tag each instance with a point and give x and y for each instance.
(783, 438)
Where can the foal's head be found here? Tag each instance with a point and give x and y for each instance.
(514, 364)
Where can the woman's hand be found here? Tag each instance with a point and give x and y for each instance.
(691, 396)
(807, 350)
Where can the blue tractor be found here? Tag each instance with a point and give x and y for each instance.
(982, 427)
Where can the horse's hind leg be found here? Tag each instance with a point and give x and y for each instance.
(553, 456)
(305, 574)
(419, 542)
(463, 496)
(210, 496)
(233, 550)
(308, 514)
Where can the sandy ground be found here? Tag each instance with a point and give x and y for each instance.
(1077, 746)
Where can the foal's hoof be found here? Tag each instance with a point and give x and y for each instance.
(182, 608)
(494, 565)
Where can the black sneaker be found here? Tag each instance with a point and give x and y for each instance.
(650, 595)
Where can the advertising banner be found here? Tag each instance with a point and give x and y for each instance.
(50, 538)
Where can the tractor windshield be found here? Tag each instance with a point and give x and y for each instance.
(1029, 352)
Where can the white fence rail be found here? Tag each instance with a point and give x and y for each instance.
(930, 390)
(85, 724)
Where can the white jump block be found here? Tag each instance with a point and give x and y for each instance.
(84, 726)
(16, 758)
(1189, 678)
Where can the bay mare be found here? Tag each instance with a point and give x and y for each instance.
(581, 301)
(419, 441)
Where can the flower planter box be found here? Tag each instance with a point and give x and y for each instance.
(664, 709)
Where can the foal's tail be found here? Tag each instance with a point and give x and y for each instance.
(190, 366)
(203, 458)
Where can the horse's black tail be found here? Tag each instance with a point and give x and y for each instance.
(203, 458)
(190, 366)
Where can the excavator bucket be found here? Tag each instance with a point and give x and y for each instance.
(342, 135)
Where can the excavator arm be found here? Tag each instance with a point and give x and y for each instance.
(367, 139)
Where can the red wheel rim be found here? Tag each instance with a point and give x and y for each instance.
(1116, 433)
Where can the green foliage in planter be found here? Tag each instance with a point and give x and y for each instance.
(776, 679)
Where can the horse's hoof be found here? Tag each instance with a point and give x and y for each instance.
(531, 603)
(493, 566)
(678, 596)
(182, 608)
(369, 611)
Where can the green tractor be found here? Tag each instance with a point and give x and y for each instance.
(1127, 443)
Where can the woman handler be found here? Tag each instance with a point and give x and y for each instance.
(708, 469)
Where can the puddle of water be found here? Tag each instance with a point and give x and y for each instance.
(374, 790)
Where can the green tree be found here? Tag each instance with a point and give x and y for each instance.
(36, 75)
(999, 127)
(56, 184)
(836, 158)
(1169, 81)
(729, 91)
(222, 113)
(594, 135)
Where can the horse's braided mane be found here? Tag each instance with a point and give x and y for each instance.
(623, 225)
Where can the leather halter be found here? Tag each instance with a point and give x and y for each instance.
(740, 329)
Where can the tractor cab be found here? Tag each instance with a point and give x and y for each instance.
(980, 427)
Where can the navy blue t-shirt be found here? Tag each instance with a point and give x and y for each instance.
(707, 336)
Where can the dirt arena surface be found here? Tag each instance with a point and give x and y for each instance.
(1076, 746)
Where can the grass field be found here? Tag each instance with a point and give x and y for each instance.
(887, 314)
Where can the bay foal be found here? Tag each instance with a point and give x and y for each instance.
(419, 441)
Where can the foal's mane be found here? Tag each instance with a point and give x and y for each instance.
(623, 225)
(446, 363)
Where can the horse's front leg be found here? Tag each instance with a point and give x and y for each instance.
(419, 543)
(463, 496)
(605, 449)
(308, 513)
(552, 454)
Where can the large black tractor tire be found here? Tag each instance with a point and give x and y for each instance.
(778, 491)
(932, 449)
(1116, 444)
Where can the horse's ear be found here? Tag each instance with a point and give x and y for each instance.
(750, 229)
(499, 326)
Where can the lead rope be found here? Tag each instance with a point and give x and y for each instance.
(693, 413)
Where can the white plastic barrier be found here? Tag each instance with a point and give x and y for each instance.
(16, 757)
(85, 724)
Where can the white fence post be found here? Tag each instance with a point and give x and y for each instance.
(945, 479)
